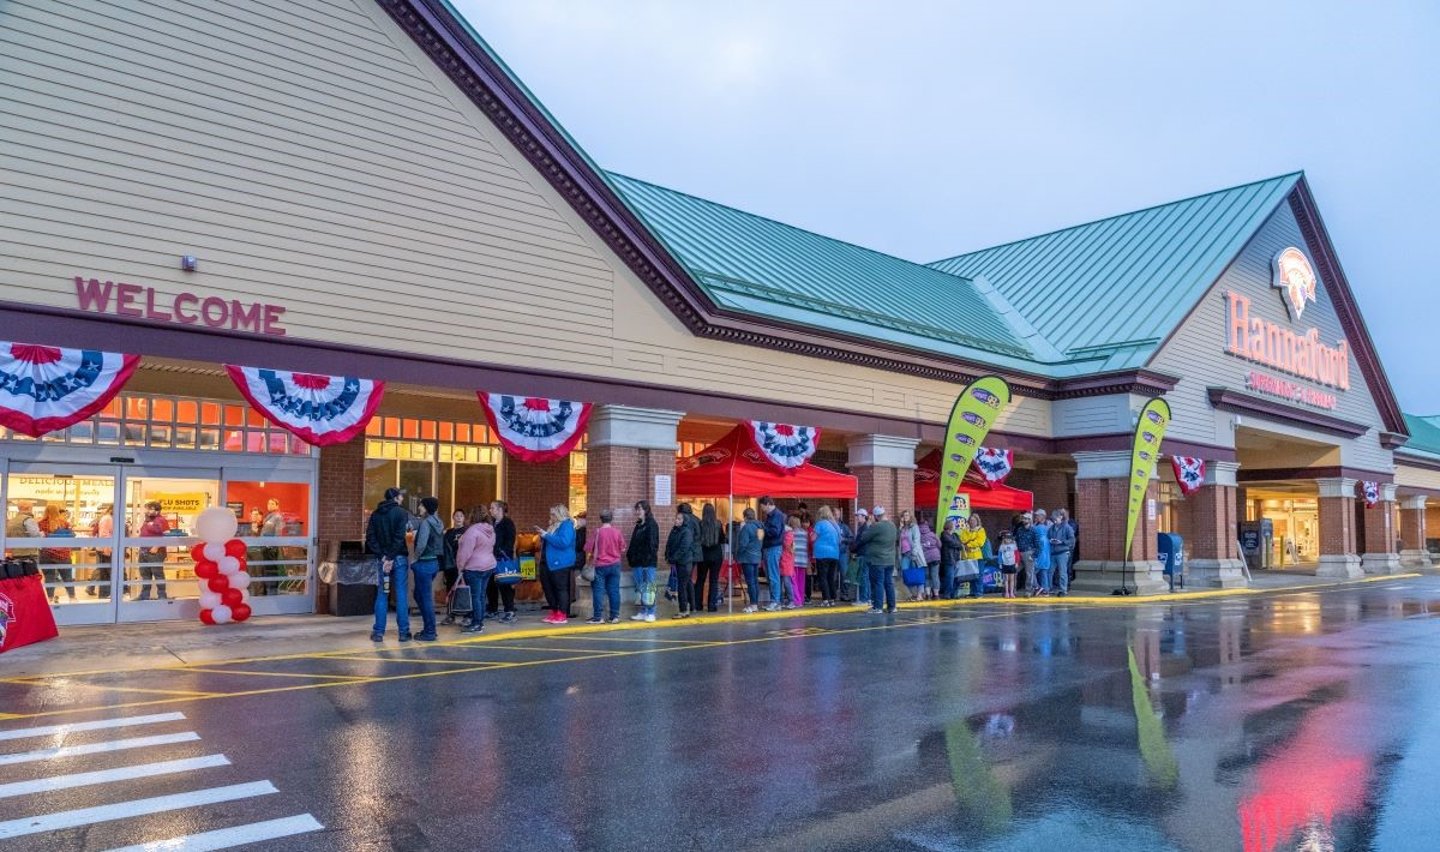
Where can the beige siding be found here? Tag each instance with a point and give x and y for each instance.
(1416, 477)
(311, 155)
(1100, 415)
(1197, 353)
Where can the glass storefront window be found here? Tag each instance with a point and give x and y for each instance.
(274, 524)
(77, 510)
(461, 475)
(154, 568)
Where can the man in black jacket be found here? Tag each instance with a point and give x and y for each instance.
(681, 552)
(643, 554)
(385, 537)
(770, 547)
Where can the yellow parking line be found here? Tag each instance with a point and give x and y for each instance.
(404, 660)
(278, 674)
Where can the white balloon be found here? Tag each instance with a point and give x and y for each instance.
(213, 551)
(208, 599)
(239, 580)
(215, 525)
(228, 564)
(221, 614)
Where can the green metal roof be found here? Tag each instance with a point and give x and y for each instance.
(1424, 435)
(756, 265)
(1110, 291)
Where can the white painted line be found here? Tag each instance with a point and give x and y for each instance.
(125, 810)
(106, 776)
(123, 722)
(97, 748)
(226, 838)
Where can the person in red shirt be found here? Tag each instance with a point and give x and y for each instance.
(605, 549)
(787, 565)
(152, 559)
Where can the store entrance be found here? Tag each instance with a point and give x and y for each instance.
(113, 541)
(1293, 510)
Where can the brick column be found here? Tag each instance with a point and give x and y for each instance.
(1381, 555)
(340, 509)
(1212, 531)
(1412, 532)
(885, 466)
(1102, 483)
(531, 488)
(628, 448)
(1337, 529)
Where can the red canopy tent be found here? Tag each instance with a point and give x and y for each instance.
(735, 466)
(983, 495)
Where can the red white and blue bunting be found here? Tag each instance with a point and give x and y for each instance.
(1371, 492)
(535, 428)
(45, 388)
(994, 465)
(1189, 473)
(784, 445)
(321, 410)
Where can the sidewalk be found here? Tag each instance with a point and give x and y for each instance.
(172, 644)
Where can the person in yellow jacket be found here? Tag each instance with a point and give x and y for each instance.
(972, 542)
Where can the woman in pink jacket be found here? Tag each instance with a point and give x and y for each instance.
(475, 557)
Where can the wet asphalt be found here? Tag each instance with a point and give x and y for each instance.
(1303, 720)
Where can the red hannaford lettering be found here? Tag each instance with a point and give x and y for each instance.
(133, 300)
(1274, 345)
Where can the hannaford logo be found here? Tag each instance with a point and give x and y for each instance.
(1294, 274)
(1274, 345)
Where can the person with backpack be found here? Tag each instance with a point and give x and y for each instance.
(826, 548)
(680, 552)
(643, 554)
(712, 556)
(604, 550)
(559, 542)
(930, 554)
(747, 553)
(475, 558)
(429, 543)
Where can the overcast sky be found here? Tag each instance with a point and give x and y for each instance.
(926, 129)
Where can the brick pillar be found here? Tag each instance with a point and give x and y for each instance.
(340, 510)
(531, 488)
(1337, 529)
(1212, 529)
(885, 466)
(1412, 532)
(628, 448)
(1102, 484)
(1381, 556)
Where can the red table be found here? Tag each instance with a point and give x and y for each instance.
(25, 615)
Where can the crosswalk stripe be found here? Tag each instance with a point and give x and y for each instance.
(125, 810)
(106, 776)
(122, 722)
(96, 748)
(225, 838)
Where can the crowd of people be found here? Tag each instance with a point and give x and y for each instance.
(792, 557)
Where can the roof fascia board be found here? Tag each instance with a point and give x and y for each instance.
(1226, 399)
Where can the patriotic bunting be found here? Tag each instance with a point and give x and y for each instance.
(535, 428)
(786, 446)
(1189, 473)
(1371, 490)
(45, 388)
(994, 465)
(322, 410)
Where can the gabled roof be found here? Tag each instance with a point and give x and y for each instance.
(756, 265)
(1424, 436)
(1132, 278)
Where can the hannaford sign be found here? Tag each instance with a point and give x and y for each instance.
(133, 300)
(1274, 345)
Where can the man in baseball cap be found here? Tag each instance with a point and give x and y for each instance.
(878, 545)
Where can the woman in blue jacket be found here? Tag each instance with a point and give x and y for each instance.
(826, 550)
(559, 540)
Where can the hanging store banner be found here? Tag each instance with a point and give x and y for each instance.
(1144, 455)
(535, 428)
(1371, 492)
(1189, 473)
(321, 410)
(45, 388)
(975, 411)
(784, 445)
(994, 465)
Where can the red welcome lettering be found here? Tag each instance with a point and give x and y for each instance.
(93, 295)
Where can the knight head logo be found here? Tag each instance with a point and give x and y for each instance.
(1295, 276)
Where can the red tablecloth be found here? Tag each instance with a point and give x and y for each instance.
(25, 615)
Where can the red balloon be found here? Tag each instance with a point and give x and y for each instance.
(197, 552)
(232, 597)
(235, 547)
(207, 616)
(239, 612)
(206, 570)
(219, 584)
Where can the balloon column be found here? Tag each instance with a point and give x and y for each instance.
(220, 568)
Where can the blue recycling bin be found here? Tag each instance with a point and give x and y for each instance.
(1172, 556)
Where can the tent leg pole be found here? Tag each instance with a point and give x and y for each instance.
(730, 574)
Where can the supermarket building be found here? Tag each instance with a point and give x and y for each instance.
(368, 191)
